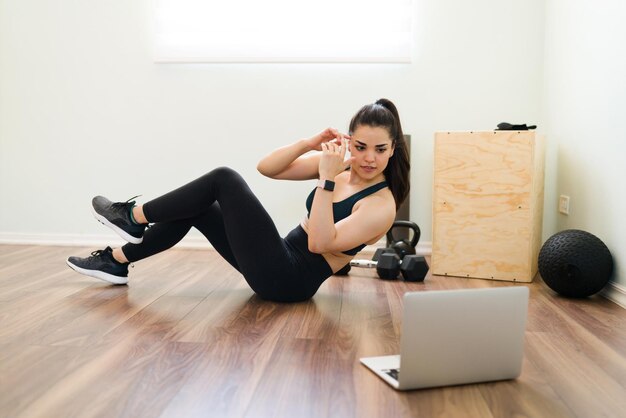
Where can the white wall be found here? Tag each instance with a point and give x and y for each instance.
(584, 110)
(85, 111)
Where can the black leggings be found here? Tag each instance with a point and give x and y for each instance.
(223, 208)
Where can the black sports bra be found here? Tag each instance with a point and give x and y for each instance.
(343, 209)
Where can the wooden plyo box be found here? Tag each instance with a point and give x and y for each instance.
(487, 204)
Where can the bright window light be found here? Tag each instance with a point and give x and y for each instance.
(283, 30)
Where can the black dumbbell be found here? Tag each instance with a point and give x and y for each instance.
(346, 269)
(381, 251)
(389, 266)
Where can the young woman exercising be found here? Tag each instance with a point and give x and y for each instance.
(354, 204)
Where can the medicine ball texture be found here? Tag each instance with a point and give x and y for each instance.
(575, 263)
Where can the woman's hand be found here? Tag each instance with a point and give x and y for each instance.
(332, 161)
(329, 134)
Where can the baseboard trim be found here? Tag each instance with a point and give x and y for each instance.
(615, 293)
(97, 241)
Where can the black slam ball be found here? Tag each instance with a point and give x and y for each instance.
(575, 263)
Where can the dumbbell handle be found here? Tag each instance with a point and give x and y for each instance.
(364, 263)
(367, 263)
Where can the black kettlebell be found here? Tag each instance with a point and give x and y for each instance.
(404, 246)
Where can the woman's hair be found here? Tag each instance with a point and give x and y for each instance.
(384, 114)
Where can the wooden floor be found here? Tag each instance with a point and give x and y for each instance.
(188, 338)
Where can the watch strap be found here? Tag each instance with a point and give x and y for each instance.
(326, 184)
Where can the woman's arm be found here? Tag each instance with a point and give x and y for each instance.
(290, 163)
(371, 219)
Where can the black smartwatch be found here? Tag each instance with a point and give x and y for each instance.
(326, 185)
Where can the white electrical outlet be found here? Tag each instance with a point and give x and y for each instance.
(564, 204)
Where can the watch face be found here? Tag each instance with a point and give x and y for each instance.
(326, 185)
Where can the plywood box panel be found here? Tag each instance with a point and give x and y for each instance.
(487, 204)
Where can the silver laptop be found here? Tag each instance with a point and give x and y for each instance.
(454, 337)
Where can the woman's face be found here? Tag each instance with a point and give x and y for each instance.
(372, 147)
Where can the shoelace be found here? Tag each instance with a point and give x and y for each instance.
(98, 253)
(129, 201)
(116, 204)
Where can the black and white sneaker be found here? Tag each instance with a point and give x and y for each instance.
(116, 215)
(101, 265)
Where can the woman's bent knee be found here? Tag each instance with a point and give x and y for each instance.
(222, 176)
(225, 173)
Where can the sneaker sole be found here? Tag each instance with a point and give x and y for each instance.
(117, 229)
(98, 274)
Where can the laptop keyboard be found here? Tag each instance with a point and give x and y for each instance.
(393, 373)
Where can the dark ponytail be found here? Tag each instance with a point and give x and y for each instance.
(384, 114)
